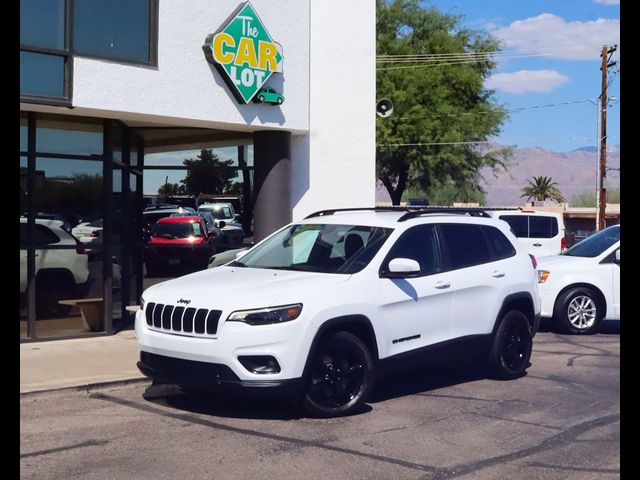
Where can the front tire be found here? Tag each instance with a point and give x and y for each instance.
(578, 311)
(511, 347)
(340, 377)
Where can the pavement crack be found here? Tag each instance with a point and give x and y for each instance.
(496, 417)
(567, 436)
(88, 443)
(296, 442)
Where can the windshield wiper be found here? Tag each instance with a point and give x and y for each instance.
(237, 263)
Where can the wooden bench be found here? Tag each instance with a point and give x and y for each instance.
(92, 311)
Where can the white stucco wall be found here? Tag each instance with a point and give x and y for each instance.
(184, 89)
(341, 143)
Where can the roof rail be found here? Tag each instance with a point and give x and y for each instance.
(473, 212)
(322, 213)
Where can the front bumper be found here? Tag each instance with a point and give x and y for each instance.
(211, 376)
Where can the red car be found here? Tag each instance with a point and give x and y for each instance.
(178, 243)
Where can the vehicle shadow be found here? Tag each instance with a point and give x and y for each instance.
(426, 377)
(608, 327)
(419, 379)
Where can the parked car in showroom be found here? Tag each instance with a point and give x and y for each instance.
(61, 273)
(178, 243)
(226, 219)
(151, 215)
(581, 287)
(321, 305)
(89, 233)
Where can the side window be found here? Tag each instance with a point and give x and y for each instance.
(499, 246)
(43, 236)
(542, 227)
(419, 244)
(464, 245)
(518, 223)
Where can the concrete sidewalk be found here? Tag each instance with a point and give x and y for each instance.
(80, 362)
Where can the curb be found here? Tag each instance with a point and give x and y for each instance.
(86, 387)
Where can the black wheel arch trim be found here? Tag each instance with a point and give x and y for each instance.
(361, 322)
(518, 298)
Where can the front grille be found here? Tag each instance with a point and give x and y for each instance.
(187, 369)
(180, 320)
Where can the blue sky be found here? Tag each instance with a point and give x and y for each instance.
(570, 34)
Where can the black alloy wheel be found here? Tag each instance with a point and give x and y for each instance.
(340, 377)
(511, 348)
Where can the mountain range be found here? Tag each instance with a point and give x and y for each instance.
(574, 172)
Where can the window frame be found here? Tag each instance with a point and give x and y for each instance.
(68, 53)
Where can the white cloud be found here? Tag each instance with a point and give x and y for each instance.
(525, 81)
(559, 38)
(608, 2)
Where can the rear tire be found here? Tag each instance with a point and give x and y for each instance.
(340, 377)
(511, 347)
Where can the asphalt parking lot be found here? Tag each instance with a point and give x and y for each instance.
(561, 421)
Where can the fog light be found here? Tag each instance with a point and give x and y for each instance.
(260, 363)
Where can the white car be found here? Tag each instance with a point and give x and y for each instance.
(541, 233)
(59, 273)
(225, 216)
(320, 305)
(581, 287)
(89, 233)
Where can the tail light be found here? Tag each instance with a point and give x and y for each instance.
(563, 244)
(534, 262)
(95, 234)
(80, 249)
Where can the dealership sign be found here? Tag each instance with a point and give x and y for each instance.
(244, 53)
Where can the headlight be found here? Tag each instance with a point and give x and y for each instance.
(543, 275)
(266, 316)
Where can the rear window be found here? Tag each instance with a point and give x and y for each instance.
(41, 236)
(532, 226)
(176, 230)
(499, 246)
(465, 245)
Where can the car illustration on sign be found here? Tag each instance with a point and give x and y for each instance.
(269, 95)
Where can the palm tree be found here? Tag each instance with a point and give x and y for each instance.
(542, 188)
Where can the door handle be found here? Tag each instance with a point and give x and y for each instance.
(497, 274)
(537, 244)
(442, 285)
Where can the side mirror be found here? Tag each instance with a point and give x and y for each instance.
(618, 256)
(222, 224)
(402, 268)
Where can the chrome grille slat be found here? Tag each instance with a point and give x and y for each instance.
(177, 319)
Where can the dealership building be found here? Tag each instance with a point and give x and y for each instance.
(113, 92)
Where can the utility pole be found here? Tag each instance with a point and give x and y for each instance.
(602, 192)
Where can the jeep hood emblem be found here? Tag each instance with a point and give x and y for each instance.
(186, 302)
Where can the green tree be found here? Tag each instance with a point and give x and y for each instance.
(208, 174)
(446, 194)
(542, 188)
(169, 189)
(588, 198)
(445, 104)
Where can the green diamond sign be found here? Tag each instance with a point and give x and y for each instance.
(244, 53)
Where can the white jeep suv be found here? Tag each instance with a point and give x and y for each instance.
(320, 305)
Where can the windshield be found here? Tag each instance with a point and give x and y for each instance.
(318, 248)
(221, 213)
(595, 244)
(176, 230)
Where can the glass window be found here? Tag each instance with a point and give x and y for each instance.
(308, 247)
(24, 132)
(519, 224)
(68, 135)
(595, 244)
(499, 245)
(41, 74)
(419, 244)
(42, 23)
(542, 227)
(24, 190)
(464, 244)
(114, 29)
(42, 235)
(68, 189)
